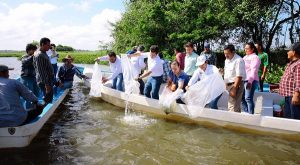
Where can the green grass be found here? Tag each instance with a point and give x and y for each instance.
(82, 57)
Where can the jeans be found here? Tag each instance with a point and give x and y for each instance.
(214, 103)
(247, 100)
(30, 83)
(54, 66)
(47, 97)
(152, 86)
(291, 111)
(118, 82)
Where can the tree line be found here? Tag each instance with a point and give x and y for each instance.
(170, 23)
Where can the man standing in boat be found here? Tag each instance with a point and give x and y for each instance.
(44, 70)
(289, 86)
(12, 111)
(115, 68)
(155, 71)
(28, 73)
(138, 64)
(190, 59)
(234, 76)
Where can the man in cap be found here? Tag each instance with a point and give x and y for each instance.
(289, 86)
(210, 56)
(204, 70)
(12, 112)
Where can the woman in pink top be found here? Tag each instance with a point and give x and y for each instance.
(252, 63)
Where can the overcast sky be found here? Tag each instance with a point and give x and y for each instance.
(80, 24)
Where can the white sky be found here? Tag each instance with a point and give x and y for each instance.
(80, 24)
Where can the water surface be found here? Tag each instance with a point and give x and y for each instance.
(90, 131)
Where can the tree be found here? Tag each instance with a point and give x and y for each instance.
(64, 48)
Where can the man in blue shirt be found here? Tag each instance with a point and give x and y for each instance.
(67, 71)
(177, 79)
(13, 113)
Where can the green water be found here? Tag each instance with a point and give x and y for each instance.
(89, 131)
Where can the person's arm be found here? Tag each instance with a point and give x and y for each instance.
(102, 58)
(26, 93)
(296, 95)
(265, 63)
(193, 79)
(27, 61)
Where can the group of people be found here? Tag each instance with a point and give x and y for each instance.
(242, 76)
(38, 75)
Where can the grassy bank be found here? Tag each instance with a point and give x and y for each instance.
(86, 57)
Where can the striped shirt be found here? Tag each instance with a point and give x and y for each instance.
(290, 81)
(43, 69)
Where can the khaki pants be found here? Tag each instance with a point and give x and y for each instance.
(234, 104)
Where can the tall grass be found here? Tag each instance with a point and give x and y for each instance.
(82, 57)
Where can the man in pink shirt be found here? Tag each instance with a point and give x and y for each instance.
(252, 63)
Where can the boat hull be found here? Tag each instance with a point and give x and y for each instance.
(21, 136)
(262, 122)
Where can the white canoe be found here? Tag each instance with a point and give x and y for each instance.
(262, 122)
(21, 136)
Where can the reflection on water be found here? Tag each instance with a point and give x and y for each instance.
(89, 131)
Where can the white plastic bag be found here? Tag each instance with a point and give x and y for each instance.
(167, 97)
(131, 85)
(96, 81)
(205, 90)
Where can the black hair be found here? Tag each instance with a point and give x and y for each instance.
(296, 47)
(154, 48)
(175, 62)
(189, 44)
(229, 47)
(44, 41)
(112, 54)
(260, 44)
(53, 45)
(141, 48)
(161, 55)
(30, 47)
(177, 49)
(252, 46)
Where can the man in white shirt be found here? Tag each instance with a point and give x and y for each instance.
(155, 71)
(204, 69)
(234, 76)
(53, 56)
(139, 64)
(115, 68)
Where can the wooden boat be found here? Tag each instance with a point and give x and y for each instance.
(21, 136)
(262, 122)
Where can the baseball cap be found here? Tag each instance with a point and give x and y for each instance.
(5, 68)
(206, 45)
(201, 60)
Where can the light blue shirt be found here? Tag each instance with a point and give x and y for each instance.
(190, 63)
(12, 112)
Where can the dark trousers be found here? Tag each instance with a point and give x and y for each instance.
(291, 111)
(34, 113)
(142, 86)
(261, 84)
(47, 97)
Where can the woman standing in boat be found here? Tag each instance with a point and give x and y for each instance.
(155, 72)
(289, 86)
(115, 68)
(252, 64)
